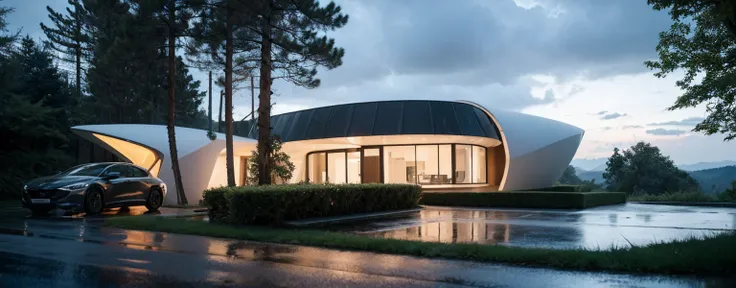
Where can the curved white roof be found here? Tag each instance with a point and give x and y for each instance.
(538, 150)
(156, 137)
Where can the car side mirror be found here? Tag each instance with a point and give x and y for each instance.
(112, 175)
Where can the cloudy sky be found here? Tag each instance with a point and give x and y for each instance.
(575, 61)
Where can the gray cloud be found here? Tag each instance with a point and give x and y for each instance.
(575, 90)
(631, 126)
(475, 50)
(504, 41)
(692, 121)
(662, 132)
(611, 116)
(601, 113)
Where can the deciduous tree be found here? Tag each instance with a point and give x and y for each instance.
(702, 43)
(643, 169)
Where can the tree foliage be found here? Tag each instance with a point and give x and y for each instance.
(283, 168)
(127, 77)
(35, 103)
(290, 48)
(570, 177)
(69, 36)
(701, 42)
(643, 169)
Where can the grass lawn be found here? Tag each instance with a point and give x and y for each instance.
(715, 255)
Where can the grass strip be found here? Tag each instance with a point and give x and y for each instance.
(714, 255)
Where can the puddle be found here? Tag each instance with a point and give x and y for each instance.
(590, 229)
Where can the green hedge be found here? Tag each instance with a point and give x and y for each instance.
(274, 204)
(525, 199)
(561, 188)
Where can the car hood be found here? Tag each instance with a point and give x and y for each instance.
(53, 182)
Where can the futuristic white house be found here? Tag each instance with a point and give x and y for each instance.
(440, 145)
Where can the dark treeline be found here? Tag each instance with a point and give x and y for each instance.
(103, 62)
(107, 61)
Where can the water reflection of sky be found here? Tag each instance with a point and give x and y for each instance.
(600, 228)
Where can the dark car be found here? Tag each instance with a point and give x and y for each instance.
(93, 187)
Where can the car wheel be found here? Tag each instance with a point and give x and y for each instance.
(93, 202)
(155, 198)
(40, 211)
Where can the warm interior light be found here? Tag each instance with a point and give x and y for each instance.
(137, 154)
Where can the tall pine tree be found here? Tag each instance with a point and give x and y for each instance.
(70, 38)
(222, 34)
(290, 49)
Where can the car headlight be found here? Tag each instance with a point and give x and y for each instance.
(75, 186)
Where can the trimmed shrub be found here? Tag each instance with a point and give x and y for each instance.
(274, 204)
(562, 188)
(525, 199)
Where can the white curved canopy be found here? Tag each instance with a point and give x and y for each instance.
(148, 146)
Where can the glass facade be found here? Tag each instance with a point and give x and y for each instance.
(317, 171)
(399, 165)
(336, 170)
(435, 164)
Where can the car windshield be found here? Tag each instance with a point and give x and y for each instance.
(86, 170)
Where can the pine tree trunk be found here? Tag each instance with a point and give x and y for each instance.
(172, 96)
(78, 55)
(209, 105)
(229, 100)
(264, 105)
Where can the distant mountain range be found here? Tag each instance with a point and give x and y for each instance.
(713, 180)
(706, 165)
(599, 164)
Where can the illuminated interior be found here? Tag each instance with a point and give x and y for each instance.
(427, 164)
(136, 154)
(432, 161)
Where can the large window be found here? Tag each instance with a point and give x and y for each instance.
(336, 170)
(479, 164)
(413, 164)
(445, 158)
(399, 165)
(317, 168)
(463, 164)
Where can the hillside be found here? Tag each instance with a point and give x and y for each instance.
(706, 165)
(590, 175)
(715, 180)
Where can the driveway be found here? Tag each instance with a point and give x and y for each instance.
(597, 228)
(77, 252)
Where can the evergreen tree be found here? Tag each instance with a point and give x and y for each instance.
(69, 37)
(221, 34)
(283, 168)
(33, 104)
(290, 49)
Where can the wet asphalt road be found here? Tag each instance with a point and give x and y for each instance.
(77, 252)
